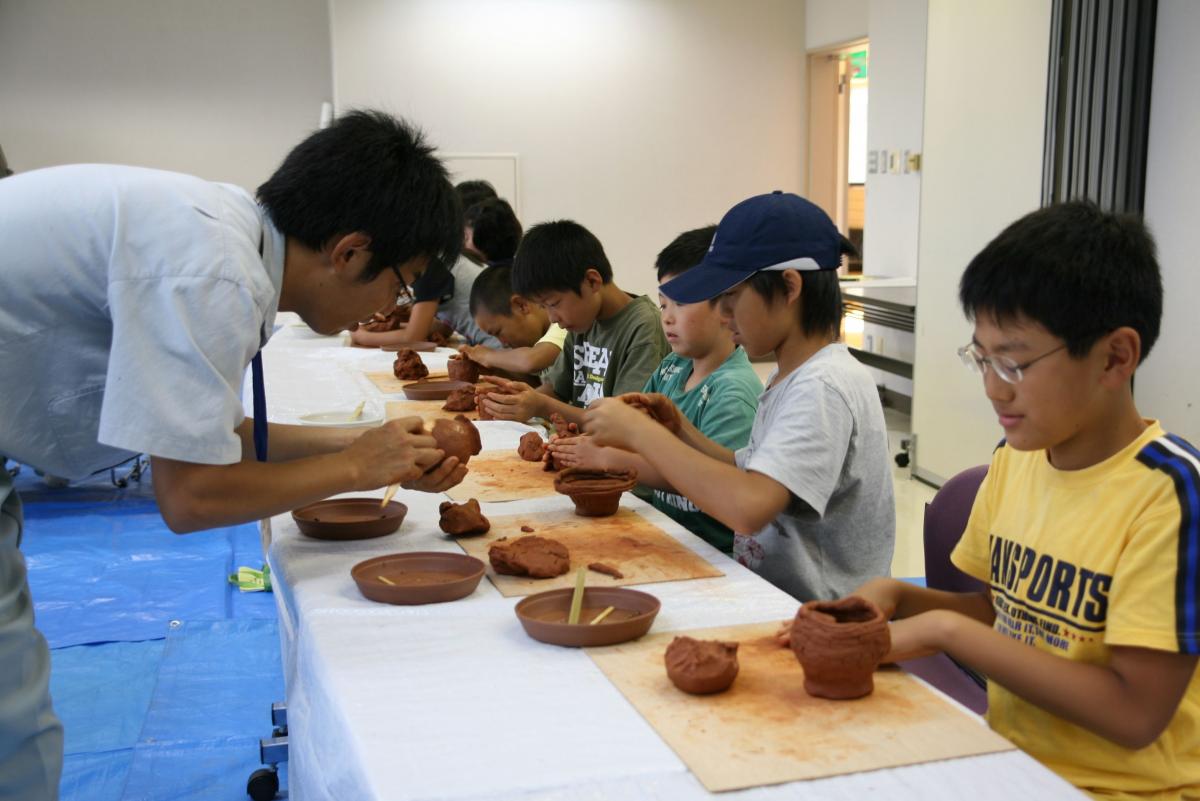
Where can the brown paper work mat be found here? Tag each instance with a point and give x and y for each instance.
(390, 385)
(427, 411)
(494, 476)
(627, 541)
(766, 729)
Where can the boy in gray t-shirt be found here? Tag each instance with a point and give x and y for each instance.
(810, 498)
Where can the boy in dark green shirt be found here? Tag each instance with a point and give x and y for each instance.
(706, 376)
(614, 340)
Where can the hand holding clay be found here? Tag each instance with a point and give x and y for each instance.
(513, 400)
(448, 473)
(480, 354)
(617, 424)
(396, 452)
(659, 407)
(458, 437)
(580, 451)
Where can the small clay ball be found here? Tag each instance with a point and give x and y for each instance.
(458, 437)
(460, 400)
(460, 368)
(463, 519)
(531, 448)
(536, 557)
(701, 667)
(408, 365)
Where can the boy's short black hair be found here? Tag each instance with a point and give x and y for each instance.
(495, 229)
(820, 298)
(1076, 270)
(492, 291)
(555, 256)
(685, 252)
(472, 192)
(370, 172)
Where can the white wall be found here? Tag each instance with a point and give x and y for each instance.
(1168, 385)
(834, 22)
(218, 88)
(638, 118)
(985, 96)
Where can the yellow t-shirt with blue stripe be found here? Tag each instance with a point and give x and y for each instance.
(1078, 562)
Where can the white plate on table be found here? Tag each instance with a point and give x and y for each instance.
(342, 419)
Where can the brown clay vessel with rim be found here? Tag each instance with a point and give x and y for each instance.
(418, 577)
(596, 493)
(458, 437)
(839, 644)
(349, 518)
(701, 667)
(544, 616)
(460, 368)
(432, 390)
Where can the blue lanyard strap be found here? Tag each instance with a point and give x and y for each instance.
(260, 408)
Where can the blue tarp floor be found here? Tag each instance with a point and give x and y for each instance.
(162, 672)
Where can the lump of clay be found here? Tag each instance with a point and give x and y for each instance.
(458, 437)
(460, 368)
(608, 570)
(839, 644)
(531, 448)
(460, 400)
(536, 557)
(701, 667)
(463, 519)
(408, 365)
(596, 493)
(481, 392)
(561, 427)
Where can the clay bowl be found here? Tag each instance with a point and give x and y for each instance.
(419, 347)
(421, 577)
(544, 616)
(349, 518)
(596, 493)
(839, 644)
(432, 390)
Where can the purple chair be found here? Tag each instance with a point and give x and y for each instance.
(945, 520)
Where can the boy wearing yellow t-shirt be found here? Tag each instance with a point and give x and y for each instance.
(531, 342)
(1087, 527)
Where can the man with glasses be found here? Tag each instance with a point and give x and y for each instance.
(1087, 527)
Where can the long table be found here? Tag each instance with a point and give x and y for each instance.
(454, 701)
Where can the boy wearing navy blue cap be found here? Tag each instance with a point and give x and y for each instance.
(810, 498)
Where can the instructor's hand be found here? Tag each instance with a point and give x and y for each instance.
(398, 452)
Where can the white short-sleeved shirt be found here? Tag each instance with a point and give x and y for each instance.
(820, 432)
(133, 301)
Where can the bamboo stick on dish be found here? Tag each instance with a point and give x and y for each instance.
(608, 611)
(577, 598)
(387, 496)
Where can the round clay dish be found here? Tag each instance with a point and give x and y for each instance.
(421, 577)
(432, 390)
(419, 347)
(544, 616)
(349, 518)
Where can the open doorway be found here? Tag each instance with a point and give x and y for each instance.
(837, 138)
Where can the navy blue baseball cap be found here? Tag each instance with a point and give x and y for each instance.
(779, 231)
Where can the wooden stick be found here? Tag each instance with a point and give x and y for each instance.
(577, 598)
(387, 496)
(358, 410)
(391, 583)
(602, 615)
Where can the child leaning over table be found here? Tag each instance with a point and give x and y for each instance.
(1087, 527)
(614, 340)
(706, 376)
(531, 342)
(810, 497)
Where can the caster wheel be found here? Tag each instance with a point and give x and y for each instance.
(902, 459)
(263, 784)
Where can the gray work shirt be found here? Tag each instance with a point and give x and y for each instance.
(133, 300)
(820, 432)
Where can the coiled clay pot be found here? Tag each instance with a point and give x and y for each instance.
(596, 493)
(839, 644)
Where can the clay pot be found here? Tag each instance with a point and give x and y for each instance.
(460, 368)
(408, 366)
(701, 667)
(463, 519)
(596, 493)
(839, 644)
(531, 447)
(458, 437)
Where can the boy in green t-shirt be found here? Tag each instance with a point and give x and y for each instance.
(614, 340)
(708, 377)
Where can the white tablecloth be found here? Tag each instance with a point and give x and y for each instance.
(454, 701)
